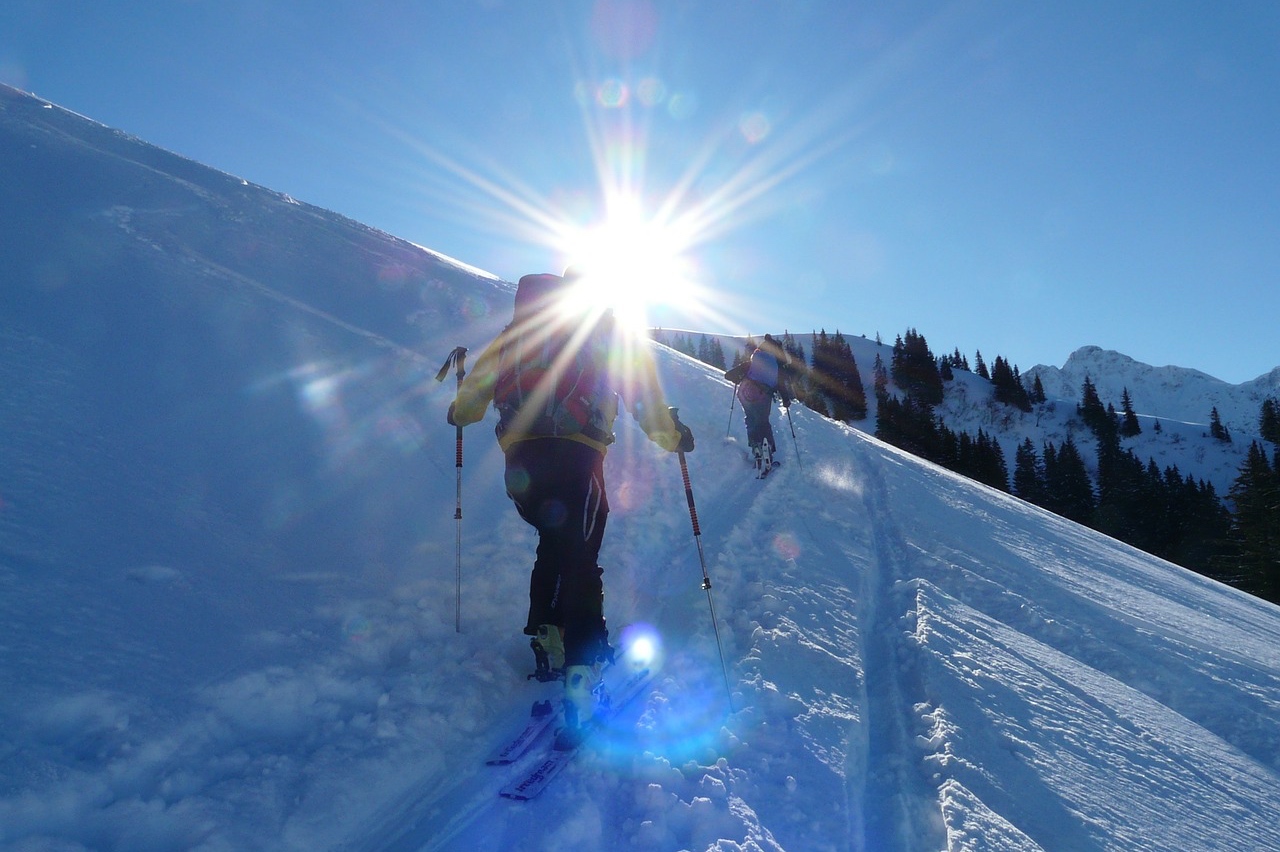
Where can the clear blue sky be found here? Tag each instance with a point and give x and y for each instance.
(1020, 178)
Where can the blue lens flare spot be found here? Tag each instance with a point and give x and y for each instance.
(643, 644)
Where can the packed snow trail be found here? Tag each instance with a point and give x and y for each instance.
(901, 813)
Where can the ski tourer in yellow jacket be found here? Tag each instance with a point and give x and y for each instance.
(555, 375)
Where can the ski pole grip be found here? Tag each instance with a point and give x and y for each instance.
(457, 359)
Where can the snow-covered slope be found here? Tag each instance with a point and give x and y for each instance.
(227, 576)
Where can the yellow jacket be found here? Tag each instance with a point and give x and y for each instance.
(631, 372)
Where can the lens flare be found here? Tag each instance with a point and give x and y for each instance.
(651, 91)
(644, 646)
(683, 105)
(357, 629)
(612, 94)
(786, 545)
(754, 127)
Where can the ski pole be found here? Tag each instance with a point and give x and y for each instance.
(706, 578)
(794, 442)
(457, 360)
(732, 399)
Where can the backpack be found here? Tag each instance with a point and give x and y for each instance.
(763, 369)
(536, 293)
(550, 382)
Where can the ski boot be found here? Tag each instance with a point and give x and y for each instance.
(548, 653)
(764, 460)
(584, 693)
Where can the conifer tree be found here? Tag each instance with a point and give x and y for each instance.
(1028, 474)
(1093, 412)
(1269, 421)
(979, 366)
(990, 467)
(794, 348)
(1122, 497)
(848, 397)
(1216, 429)
(836, 377)
(880, 380)
(717, 353)
(1256, 525)
(1070, 493)
(1038, 395)
(1129, 426)
(1008, 385)
(915, 369)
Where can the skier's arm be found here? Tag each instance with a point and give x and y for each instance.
(476, 391)
(643, 393)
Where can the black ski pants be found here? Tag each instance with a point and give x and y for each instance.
(557, 485)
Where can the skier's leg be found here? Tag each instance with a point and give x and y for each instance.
(558, 487)
(586, 637)
(757, 415)
(528, 487)
(586, 640)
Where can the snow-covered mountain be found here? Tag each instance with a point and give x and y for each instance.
(1171, 393)
(227, 576)
(1177, 400)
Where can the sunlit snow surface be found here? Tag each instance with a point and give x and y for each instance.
(227, 577)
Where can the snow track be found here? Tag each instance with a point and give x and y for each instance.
(901, 810)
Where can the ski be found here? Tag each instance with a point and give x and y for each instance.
(762, 465)
(542, 717)
(544, 771)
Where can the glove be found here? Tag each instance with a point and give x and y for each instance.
(685, 444)
(686, 438)
(449, 416)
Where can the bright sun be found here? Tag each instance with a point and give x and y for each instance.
(632, 263)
